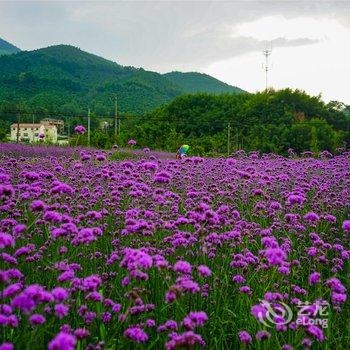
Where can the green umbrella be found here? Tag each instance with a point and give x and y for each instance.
(184, 149)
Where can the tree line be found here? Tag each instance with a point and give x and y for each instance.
(268, 121)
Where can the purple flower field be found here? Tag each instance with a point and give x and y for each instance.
(249, 252)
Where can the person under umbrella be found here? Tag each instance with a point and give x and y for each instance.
(181, 152)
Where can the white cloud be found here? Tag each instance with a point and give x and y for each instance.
(272, 27)
(319, 68)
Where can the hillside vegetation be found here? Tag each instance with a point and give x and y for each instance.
(194, 82)
(271, 121)
(66, 79)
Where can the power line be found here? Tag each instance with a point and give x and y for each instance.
(135, 119)
(184, 123)
(53, 114)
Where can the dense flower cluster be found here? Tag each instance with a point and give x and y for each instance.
(165, 254)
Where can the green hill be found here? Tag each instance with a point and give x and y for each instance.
(6, 48)
(194, 82)
(269, 121)
(66, 79)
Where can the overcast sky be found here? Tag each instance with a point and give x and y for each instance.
(310, 39)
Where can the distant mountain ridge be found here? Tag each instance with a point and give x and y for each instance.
(194, 82)
(66, 79)
(6, 48)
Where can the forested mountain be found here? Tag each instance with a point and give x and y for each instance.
(194, 82)
(6, 48)
(66, 79)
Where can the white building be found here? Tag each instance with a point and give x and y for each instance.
(57, 122)
(34, 132)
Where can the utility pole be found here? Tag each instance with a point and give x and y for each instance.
(228, 138)
(33, 130)
(116, 119)
(237, 139)
(89, 114)
(17, 141)
(119, 123)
